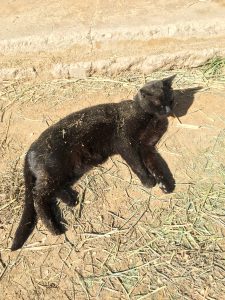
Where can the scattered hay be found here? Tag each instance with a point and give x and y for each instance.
(124, 241)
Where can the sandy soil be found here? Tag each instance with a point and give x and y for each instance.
(36, 34)
(30, 18)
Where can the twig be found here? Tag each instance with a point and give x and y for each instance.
(82, 283)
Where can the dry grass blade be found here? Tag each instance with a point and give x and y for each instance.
(83, 284)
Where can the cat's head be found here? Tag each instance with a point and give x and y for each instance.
(156, 97)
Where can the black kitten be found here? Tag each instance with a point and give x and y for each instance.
(84, 139)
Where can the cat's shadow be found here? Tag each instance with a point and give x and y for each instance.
(183, 99)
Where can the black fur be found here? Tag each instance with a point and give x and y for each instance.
(84, 139)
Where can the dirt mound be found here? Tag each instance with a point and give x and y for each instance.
(143, 36)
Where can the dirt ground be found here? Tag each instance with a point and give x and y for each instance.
(123, 240)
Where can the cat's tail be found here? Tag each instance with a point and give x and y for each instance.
(29, 216)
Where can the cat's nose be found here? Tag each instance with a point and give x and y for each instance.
(167, 109)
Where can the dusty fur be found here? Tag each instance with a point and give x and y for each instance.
(84, 139)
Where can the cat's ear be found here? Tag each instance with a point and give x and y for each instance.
(169, 80)
(141, 93)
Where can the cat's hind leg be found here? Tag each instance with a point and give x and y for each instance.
(45, 191)
(68, 196)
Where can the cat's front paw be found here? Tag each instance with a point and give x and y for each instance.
(167, 185)
(58, 229)
(148, 181)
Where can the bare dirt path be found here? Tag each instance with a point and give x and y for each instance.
(39, 38)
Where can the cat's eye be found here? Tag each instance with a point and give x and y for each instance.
(146, 93)
(143, 95)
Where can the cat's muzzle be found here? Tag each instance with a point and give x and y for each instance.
(164, 112)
